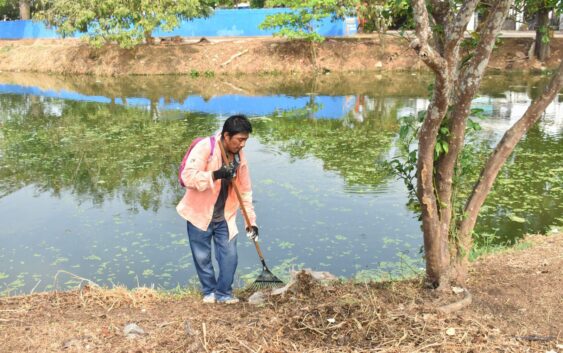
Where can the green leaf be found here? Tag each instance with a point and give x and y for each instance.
(445, 146)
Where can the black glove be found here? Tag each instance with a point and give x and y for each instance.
(252, 232)
(227, 171)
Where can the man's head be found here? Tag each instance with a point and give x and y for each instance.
(236, 130)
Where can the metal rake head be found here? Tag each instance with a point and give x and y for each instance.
(267, 280)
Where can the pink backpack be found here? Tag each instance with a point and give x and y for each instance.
(192, 145)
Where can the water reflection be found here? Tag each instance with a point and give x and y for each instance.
(88, 172)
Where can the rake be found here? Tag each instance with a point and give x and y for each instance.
(266, 279)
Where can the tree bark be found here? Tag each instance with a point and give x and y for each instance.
(468, 82)
(435, 241)
(25, 11)
(452, 86)
(542, 50)
(434, 190)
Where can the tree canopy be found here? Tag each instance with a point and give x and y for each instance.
(127, 23)
(301, 21)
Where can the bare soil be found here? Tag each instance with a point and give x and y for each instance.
(243, 55)
(517, 307)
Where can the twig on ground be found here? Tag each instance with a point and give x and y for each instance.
(234, 57)
(536, 338)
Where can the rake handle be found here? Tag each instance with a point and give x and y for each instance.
(239, 197)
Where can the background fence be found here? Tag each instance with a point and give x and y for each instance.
(230, 23)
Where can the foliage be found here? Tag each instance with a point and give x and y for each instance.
(257, 3)
(380, 15)
(301, 21)
(233, 3)
(126, 23)
(535, 8)
(532, 7)
(10, 10)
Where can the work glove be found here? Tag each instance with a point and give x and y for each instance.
(252, 233)
(227, 171)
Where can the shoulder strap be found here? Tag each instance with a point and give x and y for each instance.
(212, 141)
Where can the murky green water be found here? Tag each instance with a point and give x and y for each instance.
(88, 182)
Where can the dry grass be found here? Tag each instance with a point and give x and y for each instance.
(345, 317)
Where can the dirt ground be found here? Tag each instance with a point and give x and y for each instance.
(243, 55)
(517, 307)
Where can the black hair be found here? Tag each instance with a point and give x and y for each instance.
(236, 124)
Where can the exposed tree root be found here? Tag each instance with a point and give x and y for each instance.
(453, 307)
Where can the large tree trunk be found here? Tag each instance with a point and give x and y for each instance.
(542, 51)
(25, 12)
(454, 88)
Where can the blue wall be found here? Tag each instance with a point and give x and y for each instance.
(243, 22)
(25, 29)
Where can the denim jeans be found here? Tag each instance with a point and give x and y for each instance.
(225, 254)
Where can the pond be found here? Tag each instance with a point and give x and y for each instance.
(88, 174)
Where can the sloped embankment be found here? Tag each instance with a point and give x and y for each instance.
(242, 55)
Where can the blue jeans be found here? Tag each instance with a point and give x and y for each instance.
(225, 254)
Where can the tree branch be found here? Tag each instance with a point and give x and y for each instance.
(441, 15)
(503, 150)
(462, 19)
(472, 73)
(420, 44)
(469, 81)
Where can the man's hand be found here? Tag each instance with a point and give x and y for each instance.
(252, 233)
(227, 172)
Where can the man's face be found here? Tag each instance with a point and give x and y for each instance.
(236, 142)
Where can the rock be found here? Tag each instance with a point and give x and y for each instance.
(378, 65)
(257, 298)
(133, 331)
(520, 55)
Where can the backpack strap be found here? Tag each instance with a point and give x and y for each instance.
(212, 141)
